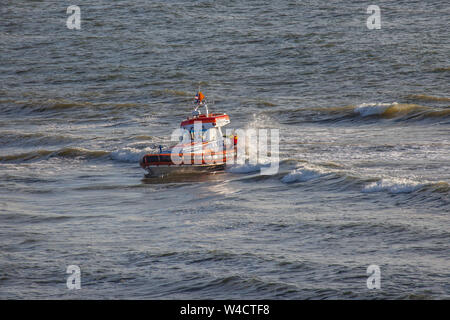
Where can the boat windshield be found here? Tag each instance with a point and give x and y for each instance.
(209, 135)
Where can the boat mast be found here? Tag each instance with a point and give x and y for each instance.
(201, 104)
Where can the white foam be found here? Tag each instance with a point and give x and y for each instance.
(393, 186)
(243, 168)
(262, 121)
(303, 174)
(369, 109)
(129, 154)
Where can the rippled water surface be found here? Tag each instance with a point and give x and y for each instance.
(364, 120)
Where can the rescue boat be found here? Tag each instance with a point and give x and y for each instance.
(202, 145)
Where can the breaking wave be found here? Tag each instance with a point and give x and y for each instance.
(127, 154)
(243, 168)
(370, 109)
(246, 167)
(304, 174)
(310, 172)
(362, 112)
(401, 185)
(130, 154)
(394, 186)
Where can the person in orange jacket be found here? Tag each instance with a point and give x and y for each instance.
(199, 98)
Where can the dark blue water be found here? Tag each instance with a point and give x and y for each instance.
(364, 123)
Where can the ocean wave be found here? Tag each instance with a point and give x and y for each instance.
(46, 154)
(403, 185)
(170, 92)
(244, 168)
(441, 69)
(400, 111)
(57, 104)
(362, 112)
(370, 109)
(127, 154)
(18, 139)
(257, 102)
(393, 185)
(351, 180)
(306, 173)
(424, 97)
(130, 154)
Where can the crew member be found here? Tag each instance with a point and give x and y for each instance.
(199, 98)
